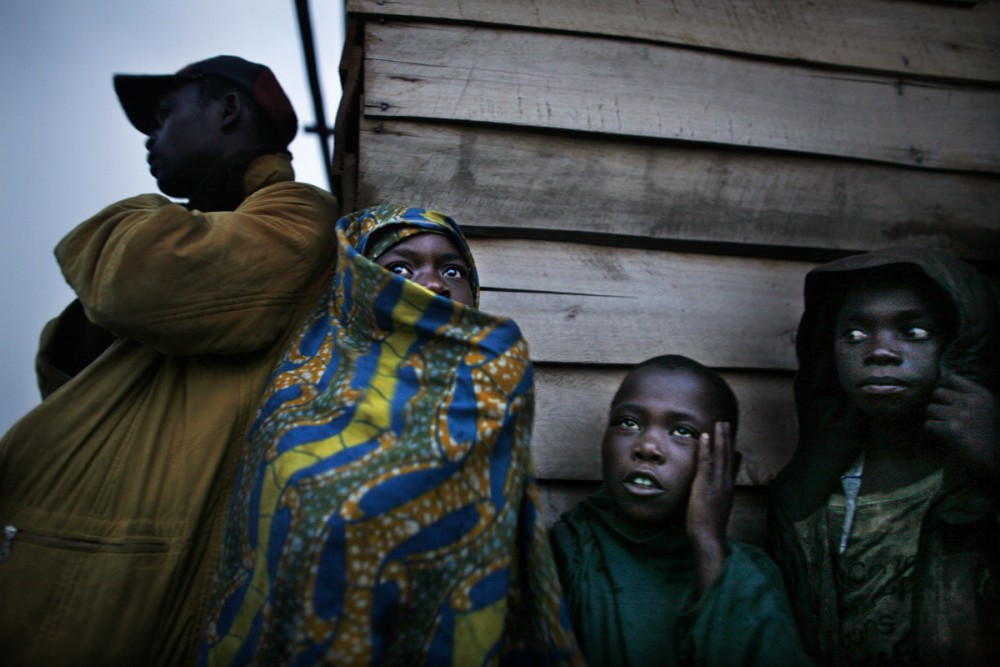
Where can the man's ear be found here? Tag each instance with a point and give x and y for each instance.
(232, 107)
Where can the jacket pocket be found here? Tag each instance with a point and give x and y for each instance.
(71, 598)
(12, 534)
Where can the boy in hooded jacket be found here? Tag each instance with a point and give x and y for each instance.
(885, 521)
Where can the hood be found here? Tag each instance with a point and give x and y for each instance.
(829, 425)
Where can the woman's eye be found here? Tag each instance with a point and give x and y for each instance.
(685, 432)
(918, 333)
(398, 268)
(454, 272)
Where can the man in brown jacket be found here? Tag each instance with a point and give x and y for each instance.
(113, 491)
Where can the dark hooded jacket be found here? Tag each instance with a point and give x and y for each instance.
(955, 611)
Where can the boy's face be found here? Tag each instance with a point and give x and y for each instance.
(183, 147)
(887, 345)
(431, 260)
(650, 447)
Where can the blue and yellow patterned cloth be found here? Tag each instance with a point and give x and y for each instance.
(385, 511)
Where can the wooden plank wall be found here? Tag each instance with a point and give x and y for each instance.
(652, 177)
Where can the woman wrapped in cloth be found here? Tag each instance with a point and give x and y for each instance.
(385, 511)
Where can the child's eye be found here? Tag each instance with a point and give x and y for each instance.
(918, 333)
(399, 268)
(453, 271)
(685, 432)
(627, 424)
(854, 335)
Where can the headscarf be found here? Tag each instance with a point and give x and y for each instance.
(385, 511)
(387, 226)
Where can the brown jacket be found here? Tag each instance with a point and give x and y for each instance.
(113, 491)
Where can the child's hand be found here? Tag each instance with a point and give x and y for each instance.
(965, 416)
(711, 502)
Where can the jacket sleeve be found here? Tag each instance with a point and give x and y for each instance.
(188, 282)
(588, 592)
(744, 619)
(50, 376)
(68, 344)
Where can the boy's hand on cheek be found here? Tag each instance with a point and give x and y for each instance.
(711, 502)
(965, 416)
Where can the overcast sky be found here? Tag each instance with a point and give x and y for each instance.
(68, 149)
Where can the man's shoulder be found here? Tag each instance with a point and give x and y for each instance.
(297, 198)
(272, 173)
(293, 186)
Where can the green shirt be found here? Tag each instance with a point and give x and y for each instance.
(633, 598)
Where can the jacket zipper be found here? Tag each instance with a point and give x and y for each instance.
(10, 532)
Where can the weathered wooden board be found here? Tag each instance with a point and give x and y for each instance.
(569, 82)
(563, 186)
(571, 411)
(747, 523)
(913, 38)
(589, 304)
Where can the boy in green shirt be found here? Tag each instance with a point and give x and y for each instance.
(648, 573)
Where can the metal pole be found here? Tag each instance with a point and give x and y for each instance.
(309, 53)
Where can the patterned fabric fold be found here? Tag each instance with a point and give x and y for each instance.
(385, 511)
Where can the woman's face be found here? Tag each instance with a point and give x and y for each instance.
(431, 260)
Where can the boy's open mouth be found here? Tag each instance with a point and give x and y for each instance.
(641, 483)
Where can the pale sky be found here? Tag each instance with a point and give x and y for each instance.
(68, 149)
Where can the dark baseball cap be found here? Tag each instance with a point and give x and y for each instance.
(140, 94)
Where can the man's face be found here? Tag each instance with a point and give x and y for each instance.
(650, 447)
(431, 260)
(888, 341)
(183, 148)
